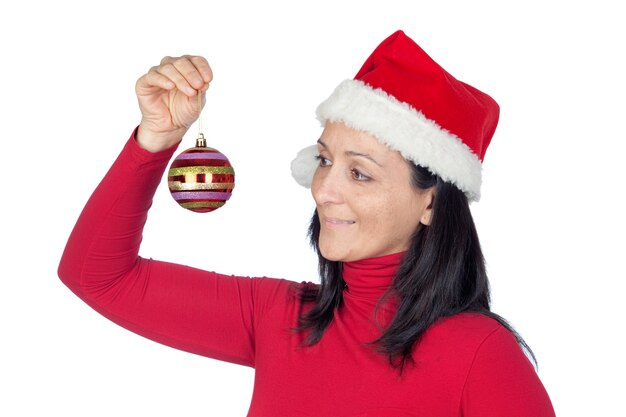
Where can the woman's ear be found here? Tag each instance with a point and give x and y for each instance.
(429, 200)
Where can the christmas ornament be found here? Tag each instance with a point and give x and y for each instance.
(201, 178)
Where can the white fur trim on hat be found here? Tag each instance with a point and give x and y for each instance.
(400, 127)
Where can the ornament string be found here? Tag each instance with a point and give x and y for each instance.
(200, 141)
(199, 112)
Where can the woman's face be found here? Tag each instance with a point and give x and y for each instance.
(365, 201)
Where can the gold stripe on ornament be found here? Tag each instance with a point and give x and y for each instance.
(182, 186)
(203, 204)
(200, 170)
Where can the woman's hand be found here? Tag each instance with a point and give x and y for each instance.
(168, 100)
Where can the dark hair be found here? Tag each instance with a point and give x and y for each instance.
(442, 274)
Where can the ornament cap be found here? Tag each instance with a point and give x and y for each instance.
(200, 141)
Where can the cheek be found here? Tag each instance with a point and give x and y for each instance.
(397, 216)
(375, 214)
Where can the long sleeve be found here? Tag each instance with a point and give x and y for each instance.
(198, 311)
(467, 365)
(503, 382)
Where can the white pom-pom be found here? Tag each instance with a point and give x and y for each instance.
(304, 165)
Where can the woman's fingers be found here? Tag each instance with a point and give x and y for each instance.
(167, 96)
(154, 79)
(189, 74)
(201, 64)
(203, 67)
(182, 83)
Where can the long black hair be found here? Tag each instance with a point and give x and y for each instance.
(442, 274)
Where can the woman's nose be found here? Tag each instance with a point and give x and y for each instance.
(327, 186)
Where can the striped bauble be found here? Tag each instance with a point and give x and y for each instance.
(201, 179)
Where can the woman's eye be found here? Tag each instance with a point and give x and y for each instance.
(359, 176)
(323, 161)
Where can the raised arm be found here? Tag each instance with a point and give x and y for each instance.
(198, 311)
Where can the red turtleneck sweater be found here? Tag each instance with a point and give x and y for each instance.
(467, 365)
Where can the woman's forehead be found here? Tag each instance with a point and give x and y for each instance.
(337, 137)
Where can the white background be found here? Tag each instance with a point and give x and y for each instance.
(551, 219)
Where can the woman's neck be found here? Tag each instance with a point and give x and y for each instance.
(370, 278)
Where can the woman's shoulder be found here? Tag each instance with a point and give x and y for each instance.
(279, 290)
(458, 344)
(464, 334)
(469, 325)
(272, 285)
(500, 377)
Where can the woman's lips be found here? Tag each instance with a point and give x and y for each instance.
(334, 223)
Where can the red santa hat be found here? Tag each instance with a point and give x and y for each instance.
(411, 104)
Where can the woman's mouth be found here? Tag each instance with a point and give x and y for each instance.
(333, 222)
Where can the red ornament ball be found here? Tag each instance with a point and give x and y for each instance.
(201, 179)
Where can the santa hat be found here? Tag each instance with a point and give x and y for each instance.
(412, 105)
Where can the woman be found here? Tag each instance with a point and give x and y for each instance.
(400, 324)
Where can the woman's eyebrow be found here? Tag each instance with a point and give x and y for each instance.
(363, 155)
(353, 153)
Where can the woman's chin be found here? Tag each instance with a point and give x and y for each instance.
(334, 254)
(332, 257)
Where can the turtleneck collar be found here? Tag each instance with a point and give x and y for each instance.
(370, 278)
